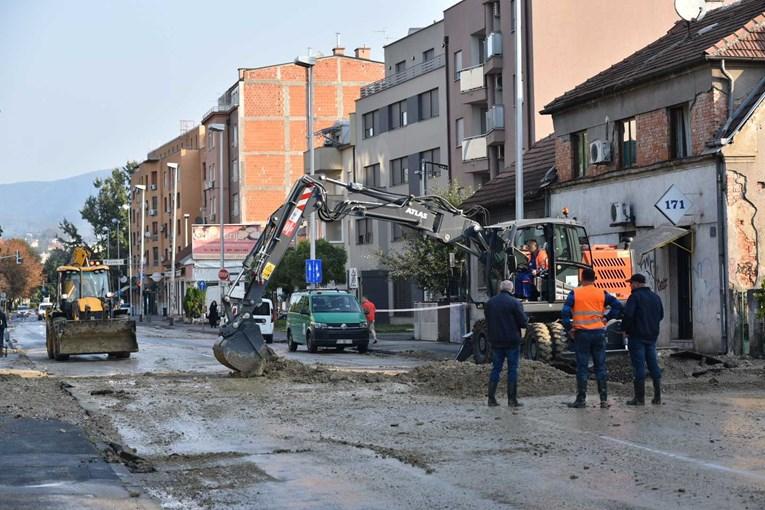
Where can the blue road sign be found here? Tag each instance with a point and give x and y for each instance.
(202, 285)
(313, 271)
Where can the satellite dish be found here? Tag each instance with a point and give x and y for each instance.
(691, 10)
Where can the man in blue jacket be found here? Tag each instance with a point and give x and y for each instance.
(505, 318)
(643, 314)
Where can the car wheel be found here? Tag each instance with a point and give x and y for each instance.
(363, 348)
(291, 345)
(269, 339)
(312, 347)
(340, 348)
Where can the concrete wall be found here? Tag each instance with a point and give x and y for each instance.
(590, 203)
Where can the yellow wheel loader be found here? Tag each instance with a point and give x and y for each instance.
(85, 319)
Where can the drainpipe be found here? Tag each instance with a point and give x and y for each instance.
(447, 91)
(722, 236)
(731, 89)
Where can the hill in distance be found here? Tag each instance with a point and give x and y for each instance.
(36, 206)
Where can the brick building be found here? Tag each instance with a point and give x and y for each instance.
(661, 151)
(264, 114)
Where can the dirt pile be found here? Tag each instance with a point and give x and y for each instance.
(281, 368)
(468, 380)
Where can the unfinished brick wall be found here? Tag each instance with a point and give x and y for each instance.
(708, 114)
(563, 158)
(652, 137)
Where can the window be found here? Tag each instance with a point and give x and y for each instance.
(397, 115)
(235, 171)
(428, 55)
(579, 152)
(431, 156)
(457, 64)
(154, 203)
(154, 227)
(399, 173)
(369, 120)
(235, 204)
(460, 131)
(512, 15)
(334, 232)
(428, 104)
(204, 171)
(235, 136)
(482, 114)
(481, 49)
(372, 175)
(628, 138)
(678, 132)
(401, 232)
(401, 66)
(155, 255)
(364, 231)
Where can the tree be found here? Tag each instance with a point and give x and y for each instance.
(73, 236)
(19, 280)
(194, 303)
(101, 209)
(426, 260)
(290, 274)
(57, 257)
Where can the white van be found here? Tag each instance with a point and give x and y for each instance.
(263, 315)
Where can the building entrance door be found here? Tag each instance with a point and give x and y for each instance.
(684, 292)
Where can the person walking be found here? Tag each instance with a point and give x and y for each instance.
(370, 310)
(504, 319)
(584, 318)
(212, 314)
(643, 314)
(3, 327)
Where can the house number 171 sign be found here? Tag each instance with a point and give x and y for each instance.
(674, 204)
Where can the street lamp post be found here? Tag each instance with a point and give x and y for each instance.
(174, 168)
(116, 221)
(220, 128)
(308, 63)
(186, 217)
(130, 254)
(142, 188)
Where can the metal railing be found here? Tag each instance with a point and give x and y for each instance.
(495, 118)
(409, 74)
(471, 78)
(474, 148)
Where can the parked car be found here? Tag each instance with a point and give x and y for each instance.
(263, 315)
(326, 318)
(41, 310)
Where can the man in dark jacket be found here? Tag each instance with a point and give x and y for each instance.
(642, 315)
(3, 326)
(505, 318)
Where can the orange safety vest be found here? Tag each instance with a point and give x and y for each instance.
(589, 308)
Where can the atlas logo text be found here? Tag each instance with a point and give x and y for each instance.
(415, 212)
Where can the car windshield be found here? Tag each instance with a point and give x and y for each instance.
(340, 303)
(263, 308)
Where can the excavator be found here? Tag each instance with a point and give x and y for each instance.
(501, 249)
(84, 318)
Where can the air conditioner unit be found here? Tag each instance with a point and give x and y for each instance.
(152, 212)
(209, 184)
(147, 235)
(153, 187)
(600, 152)
(621, 213)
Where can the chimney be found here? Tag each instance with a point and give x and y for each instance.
(338, 52)
(363, 52)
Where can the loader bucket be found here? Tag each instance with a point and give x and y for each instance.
(242, 348)
(113, 336)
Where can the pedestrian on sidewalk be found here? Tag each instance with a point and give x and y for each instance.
(504, 319)
(584, 318)
(3, 327)
(643, 314)
(369, 312)
(212, 314)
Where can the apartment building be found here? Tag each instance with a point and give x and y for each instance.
(564, 43)
(263, 116)
(154, 173)
(667, 158)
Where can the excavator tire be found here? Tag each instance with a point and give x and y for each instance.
(481, 346)
(538, 342)
(558, 338)
(48, 339)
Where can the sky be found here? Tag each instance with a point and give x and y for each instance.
(90, 84)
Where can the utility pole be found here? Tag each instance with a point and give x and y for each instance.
(142, 188)
(518, 111)
(173, 167)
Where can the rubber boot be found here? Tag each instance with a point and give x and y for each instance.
(512, 395)
(493, 394)
(581, 395)
(603, 392)
(639, 399)
(656, 392)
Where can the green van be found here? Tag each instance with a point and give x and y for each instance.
(326, 318)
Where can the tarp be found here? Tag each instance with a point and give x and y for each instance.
(658, 237)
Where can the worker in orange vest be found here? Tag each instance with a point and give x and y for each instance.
(538, 260)
(584, 318)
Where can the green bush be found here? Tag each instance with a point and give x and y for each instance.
(194, 303)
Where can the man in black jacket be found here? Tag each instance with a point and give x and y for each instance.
(505, 318)
(3, 326)
(642, 315)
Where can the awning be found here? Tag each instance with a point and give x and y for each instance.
(656, 238)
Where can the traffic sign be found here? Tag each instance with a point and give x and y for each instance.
(114, 262)
(223, 274)
(313, 271)
(201, 285)
(674, 204)
(353, 278)
(156, 276)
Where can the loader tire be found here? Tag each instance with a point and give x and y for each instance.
(48, 341)
(481, 346)
(558, 338)
(119, 355)
(538, 342)
(56, 355)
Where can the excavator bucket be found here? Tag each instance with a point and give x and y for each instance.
(243, 349)
(113, 336)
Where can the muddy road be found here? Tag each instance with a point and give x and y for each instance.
(327, 437)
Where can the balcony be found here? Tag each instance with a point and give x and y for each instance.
(471, 78)
(474, 148)
(409, 74)
(493, 64)
(495, 125)
(327, 161)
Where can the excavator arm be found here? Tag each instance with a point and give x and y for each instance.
(241, 346)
